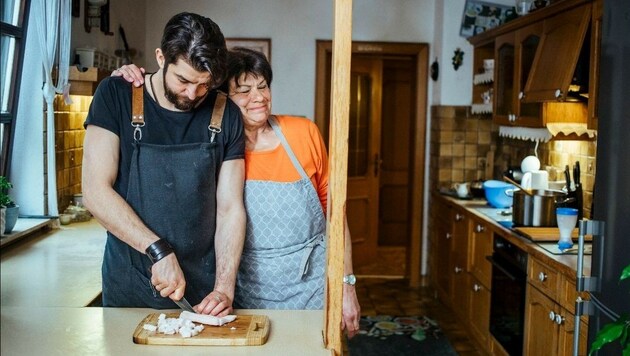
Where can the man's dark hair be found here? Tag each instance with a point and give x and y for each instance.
(247, 61)
(198, 41)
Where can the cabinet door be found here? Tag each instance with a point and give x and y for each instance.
(541, 331)
(479, 310)
(459, 263)
(442, 273)
(527, 41)
(556, 60)
(504, 90)
(566, 332)
(480, 247)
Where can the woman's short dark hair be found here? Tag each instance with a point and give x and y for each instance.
(198, 41)
(243, 60)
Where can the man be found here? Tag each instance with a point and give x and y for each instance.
(166, 185)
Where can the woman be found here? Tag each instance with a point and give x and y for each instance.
(286, 187)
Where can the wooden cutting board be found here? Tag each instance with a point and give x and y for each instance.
(245, 330)
(547, 233)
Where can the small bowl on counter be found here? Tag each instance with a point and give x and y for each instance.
(499, 194)
(65, 219)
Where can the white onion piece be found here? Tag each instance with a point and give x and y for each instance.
(207, 319)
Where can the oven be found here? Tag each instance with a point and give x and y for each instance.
(507, 303)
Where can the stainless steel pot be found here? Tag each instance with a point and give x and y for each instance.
(538, 209)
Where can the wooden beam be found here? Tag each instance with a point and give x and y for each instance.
(338, 147)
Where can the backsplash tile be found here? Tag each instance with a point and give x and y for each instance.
(476, 152)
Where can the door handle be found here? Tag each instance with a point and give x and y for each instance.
(377, 164)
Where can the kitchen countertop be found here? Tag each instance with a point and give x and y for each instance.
(59, 268)
(567, 264)
(109, 331)
(48, 280)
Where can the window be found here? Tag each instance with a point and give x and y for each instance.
(14, 17)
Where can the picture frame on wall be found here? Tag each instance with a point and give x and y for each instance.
(257, 44)
(480, 16)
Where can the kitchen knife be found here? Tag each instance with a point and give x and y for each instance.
(184, 305)
(567, 176)
(576, 173)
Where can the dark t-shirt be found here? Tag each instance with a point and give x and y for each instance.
(111, 110)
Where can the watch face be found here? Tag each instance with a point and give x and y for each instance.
(350, 279)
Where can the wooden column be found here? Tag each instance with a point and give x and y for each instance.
(338, 147)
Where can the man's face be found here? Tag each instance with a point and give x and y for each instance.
(184, 86)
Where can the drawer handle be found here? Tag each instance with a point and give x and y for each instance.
(458, 269)
(542, 277)
(559, 319)
(480, 228)
(476, 287)
(459, 217)
(552, 316)
(448, 235)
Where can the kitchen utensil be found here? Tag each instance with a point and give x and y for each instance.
(538, 209)
(184, 305)
(530, 164)
(514, 173)
(526, 191)
(476, 189)
(535, 180)
(462, 189)
(245, 330)
(566, 218)
(579, 202)
(496, 193)
(567, 176)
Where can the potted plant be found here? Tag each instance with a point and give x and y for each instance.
(9, 208)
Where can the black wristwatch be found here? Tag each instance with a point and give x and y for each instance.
(158, 250)
(350, 279)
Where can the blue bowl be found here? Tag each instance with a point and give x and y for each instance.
(499, 194)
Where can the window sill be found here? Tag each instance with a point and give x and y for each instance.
(24, 228)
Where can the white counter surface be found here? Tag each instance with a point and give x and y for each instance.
(109, 331)
(47, 281)
(60, 268)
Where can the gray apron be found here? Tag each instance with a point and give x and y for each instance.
(284, 257)
(172, 188)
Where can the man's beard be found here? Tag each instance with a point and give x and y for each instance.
(180, 103)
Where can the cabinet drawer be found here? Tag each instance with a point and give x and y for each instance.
(543, 277)
(568, 295)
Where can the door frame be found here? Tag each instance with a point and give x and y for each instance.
(419, 51)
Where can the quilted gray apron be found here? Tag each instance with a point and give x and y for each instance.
(172, 188)
(284, 257)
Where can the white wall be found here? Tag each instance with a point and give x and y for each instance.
(294, 26)
(129, 14)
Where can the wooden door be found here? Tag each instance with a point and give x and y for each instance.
(527, 41)
(364, 157)
(504, 91)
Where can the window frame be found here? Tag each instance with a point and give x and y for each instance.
(7, 120)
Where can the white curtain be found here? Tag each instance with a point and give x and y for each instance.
(53, 28)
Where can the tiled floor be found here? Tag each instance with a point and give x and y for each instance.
(391, 295)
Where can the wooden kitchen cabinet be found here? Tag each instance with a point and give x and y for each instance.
(555, 63)
(441, 242)
(514, 56)
(479, 310)
(549, 327)
(538, 57)
(549, 318)
(480, 248)
(459, 263)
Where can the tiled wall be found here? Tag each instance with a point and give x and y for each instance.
(69, 134)
(466, 147)
(462, 146)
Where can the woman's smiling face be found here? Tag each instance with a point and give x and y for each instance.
(252, 94)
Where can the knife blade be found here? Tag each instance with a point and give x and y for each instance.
(184, 305)
(567, 176)
(576, 173)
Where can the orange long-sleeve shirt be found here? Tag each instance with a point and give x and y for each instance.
(308, 146)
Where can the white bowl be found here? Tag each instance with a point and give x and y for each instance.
(65, 219)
